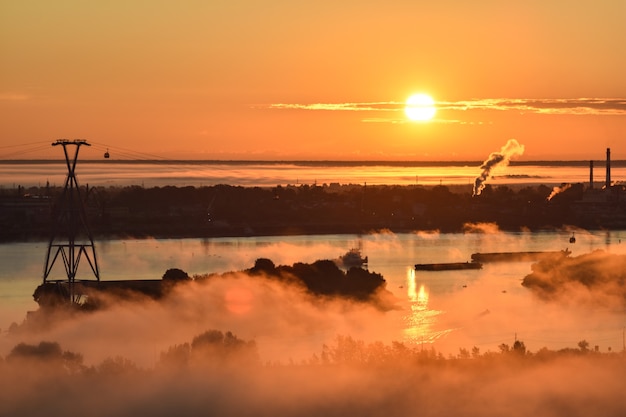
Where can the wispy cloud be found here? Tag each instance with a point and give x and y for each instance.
(434, 120)
(373, 106)
(547, 106)
(13, 97)
(571, 106)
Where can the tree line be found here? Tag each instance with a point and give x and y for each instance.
(224, 210)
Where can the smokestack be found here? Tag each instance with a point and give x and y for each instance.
(591, 174)
(608, 168)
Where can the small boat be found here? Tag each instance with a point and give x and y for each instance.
(519, 256)
(448, 266)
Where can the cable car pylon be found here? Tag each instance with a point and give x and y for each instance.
(71, 239)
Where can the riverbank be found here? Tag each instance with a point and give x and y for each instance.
(228, 211)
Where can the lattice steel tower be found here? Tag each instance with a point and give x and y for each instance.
(71, 237)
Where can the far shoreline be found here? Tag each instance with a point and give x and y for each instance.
(266, 173)
(133, 212)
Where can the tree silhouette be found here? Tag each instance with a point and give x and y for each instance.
(175, 274)
(48, 355)
(519, 347)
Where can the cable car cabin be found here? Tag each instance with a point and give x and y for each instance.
(106, 154)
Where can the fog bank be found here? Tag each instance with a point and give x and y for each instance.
(349, 377)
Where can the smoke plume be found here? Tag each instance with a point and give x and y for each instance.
(512, 148)
(558, 190)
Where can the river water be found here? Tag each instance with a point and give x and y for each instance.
(446, 310)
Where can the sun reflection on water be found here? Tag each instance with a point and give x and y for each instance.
(420, 322)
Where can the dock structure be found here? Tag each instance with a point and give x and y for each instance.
(70, 239)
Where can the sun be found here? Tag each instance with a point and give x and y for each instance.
(420, 107)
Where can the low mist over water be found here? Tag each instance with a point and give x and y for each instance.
(448, 310)
(243, 344)
(270, 174)
(468, 342)
(194, 259)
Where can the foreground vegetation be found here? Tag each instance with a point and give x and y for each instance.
(215, 348)
(219, 374)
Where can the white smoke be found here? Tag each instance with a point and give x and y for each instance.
(511, 149)
(558, 190)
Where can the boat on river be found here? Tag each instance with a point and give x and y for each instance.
(519, 256)
(448, 266)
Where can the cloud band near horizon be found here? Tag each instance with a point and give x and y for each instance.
(550, 106)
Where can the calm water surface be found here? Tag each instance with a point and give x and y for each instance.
(435, 305)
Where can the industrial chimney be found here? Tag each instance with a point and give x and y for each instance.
(608, 168)
(591, 174)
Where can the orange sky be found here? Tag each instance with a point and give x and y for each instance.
(236, 79)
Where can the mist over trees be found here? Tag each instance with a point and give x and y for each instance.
(596, 279)
(219, 373)
(324, 277)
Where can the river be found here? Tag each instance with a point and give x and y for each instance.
(445, 310)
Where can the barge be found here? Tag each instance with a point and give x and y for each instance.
(519, 256)
(448, 266)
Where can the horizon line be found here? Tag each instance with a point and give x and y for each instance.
(308, 161)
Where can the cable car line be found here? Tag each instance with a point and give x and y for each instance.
(129, 153)
(21, 151)
(25, 149)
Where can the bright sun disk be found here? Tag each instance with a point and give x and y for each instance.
(420, 107)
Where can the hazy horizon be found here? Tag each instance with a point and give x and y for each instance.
(453, 162)
(280, 80)
(274, 173)
(284, 93)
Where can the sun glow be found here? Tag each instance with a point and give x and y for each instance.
(420, 107)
